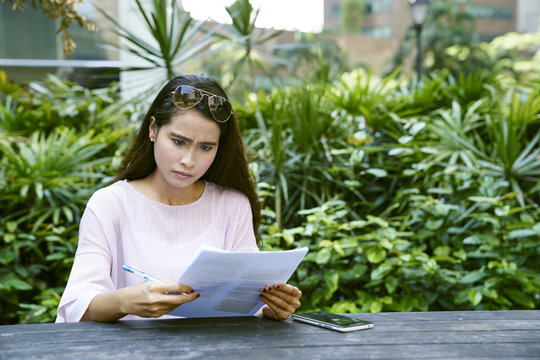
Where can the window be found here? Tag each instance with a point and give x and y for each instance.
(490, 12)
(378, 31)
(31, 48)
(335, 11)
(378, 6)
(27, 34)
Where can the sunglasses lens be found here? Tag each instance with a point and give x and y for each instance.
(186, 97)
(220, 107)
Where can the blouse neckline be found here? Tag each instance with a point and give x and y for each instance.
(131, 188)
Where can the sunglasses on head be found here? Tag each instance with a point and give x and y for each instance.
(186, 97)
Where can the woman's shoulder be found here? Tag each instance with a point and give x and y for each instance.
(227, 200)
(225, 194)
(229, 206)
(111, 195)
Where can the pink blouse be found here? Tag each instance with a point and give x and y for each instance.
(122, 226)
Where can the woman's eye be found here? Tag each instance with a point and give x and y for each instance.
(206, 148)
(179, 142)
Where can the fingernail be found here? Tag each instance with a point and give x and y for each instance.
(192, 291)
(269, 288)
(277, 286)
(260, 295)
(263, 290)
(198, 295)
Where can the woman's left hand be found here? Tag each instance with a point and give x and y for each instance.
(281, 300)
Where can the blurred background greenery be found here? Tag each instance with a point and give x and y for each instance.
(412, 193)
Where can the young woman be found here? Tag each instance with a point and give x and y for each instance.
(183, 183)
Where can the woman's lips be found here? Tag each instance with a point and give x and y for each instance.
(183, 175)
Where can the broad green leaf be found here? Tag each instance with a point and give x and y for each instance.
(7, 256)
(339, 249)
(375, 306)
(323, 256)
(475, 297)
(381, 271)
(462, 296)
(15, 283)
(391, 284)
(8, 238)
(326, 243)
(376, 255)
(11, 226)
(442, 251)
(473, 277)
(341, 307)
(492, 281)
(408, 303)
(434, 224)
(518, 296)
(332, 282)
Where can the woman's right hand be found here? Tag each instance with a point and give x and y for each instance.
(145, 299)
(149, 300)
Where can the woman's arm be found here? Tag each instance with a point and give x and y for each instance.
(146, 299)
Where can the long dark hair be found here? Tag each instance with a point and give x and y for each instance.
(229, 168)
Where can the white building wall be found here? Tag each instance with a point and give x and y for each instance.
(528, 16)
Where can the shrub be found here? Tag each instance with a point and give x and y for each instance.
(410, 196)
(438, 208)
(58, 144)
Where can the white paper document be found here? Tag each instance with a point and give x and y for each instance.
(230, 282)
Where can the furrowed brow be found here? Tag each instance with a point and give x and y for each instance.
(188, 140)
(181, 137)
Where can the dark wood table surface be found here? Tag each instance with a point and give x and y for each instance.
(421, 335)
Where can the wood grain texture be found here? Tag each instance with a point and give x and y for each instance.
(426, 335)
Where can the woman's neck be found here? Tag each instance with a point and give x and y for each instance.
(154, 188)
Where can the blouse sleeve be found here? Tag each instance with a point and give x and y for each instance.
(91, 271)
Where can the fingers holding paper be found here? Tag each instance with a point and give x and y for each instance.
(149, 299)
(281, 299)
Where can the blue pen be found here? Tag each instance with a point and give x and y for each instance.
(147, 277)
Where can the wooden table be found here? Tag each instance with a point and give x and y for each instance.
(423, 335)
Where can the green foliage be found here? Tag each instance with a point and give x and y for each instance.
(352, 15)
(430, 257)
(290, 134)
(58, 144)
(174, 34)
(517, 53)
(247, 53)
(432, 207)
(44, 106)
(450, 43)
(411, 195)
(449, 40)
(316, 59)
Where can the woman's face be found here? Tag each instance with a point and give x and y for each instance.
(185, 148)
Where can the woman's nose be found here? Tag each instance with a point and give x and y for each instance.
(188, 158)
